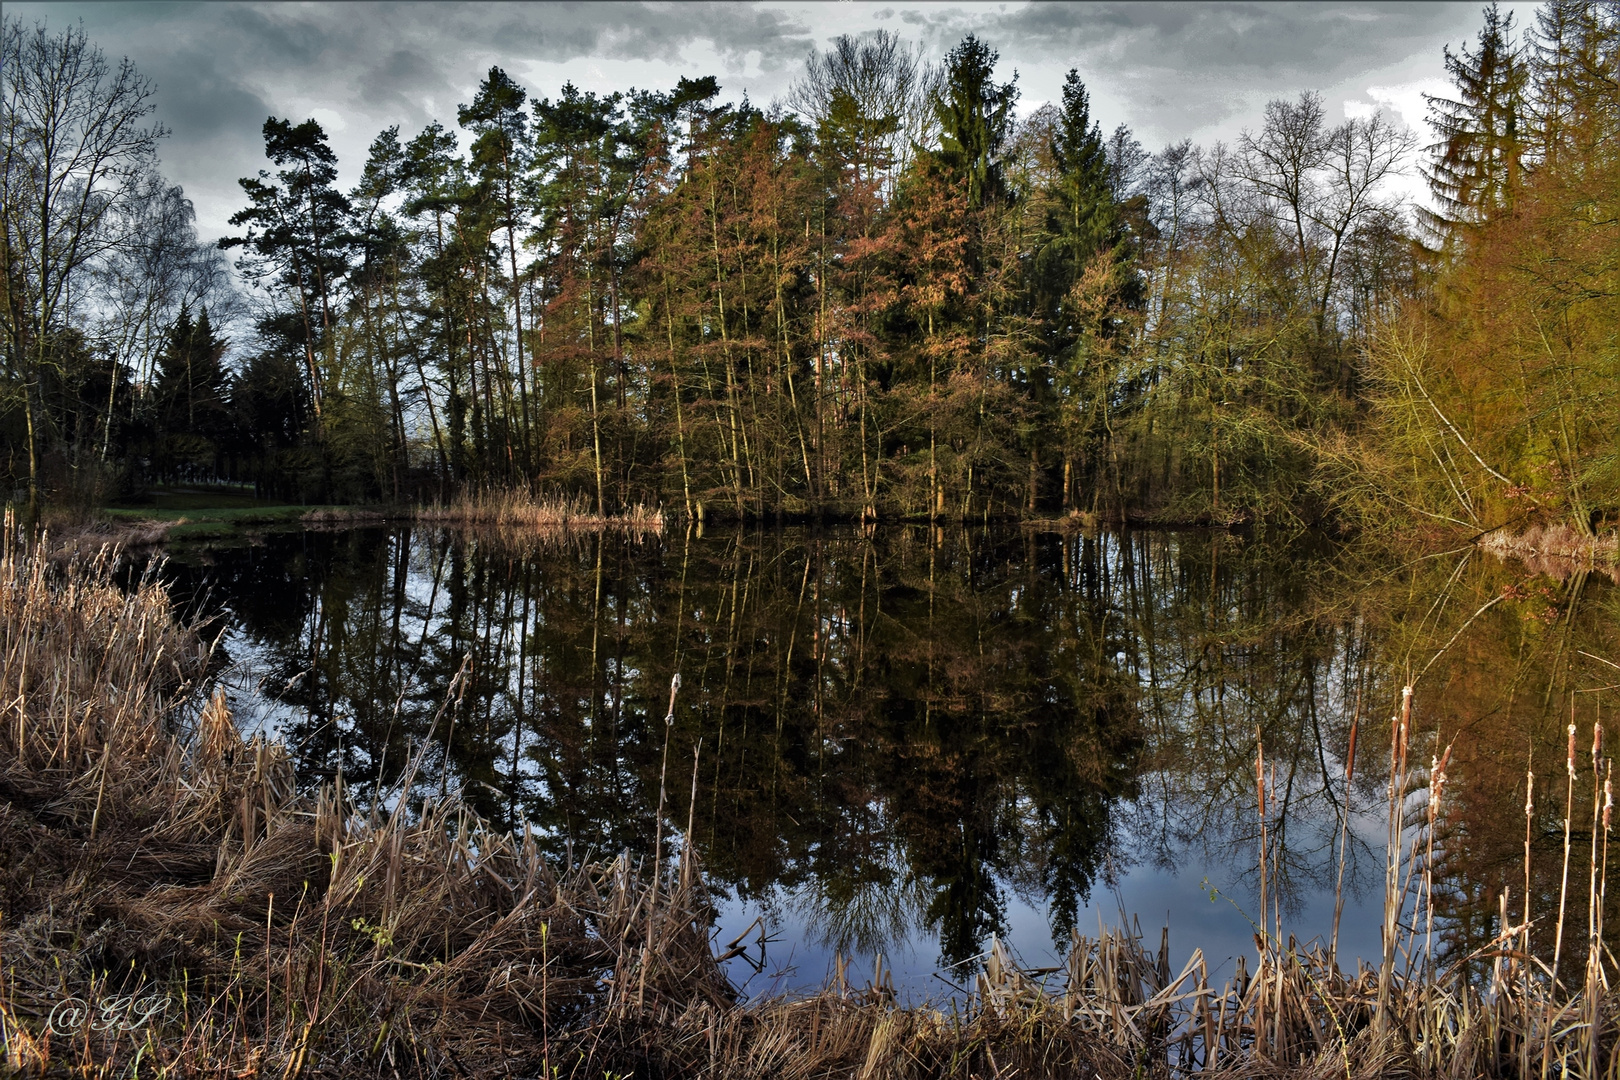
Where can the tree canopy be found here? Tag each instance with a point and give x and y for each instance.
(897, 296)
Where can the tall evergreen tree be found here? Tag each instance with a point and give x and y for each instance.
(500, 153)
(191, 384)
(189, 410)
(1477, 161)
(1083, 220)
(296, 231)
(975, 119)
(1573, 68)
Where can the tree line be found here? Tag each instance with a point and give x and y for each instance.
(891, 295)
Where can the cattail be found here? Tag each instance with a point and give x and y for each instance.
(1406, 722)
(1597, 743)
(1350, 756)
(1572, 751)
(1260, 774)
(1608, 802)
(1529, 793)
(674, 688)
(1437, 780)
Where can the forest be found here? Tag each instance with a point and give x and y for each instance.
(893, 295)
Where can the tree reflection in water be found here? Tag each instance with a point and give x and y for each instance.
(890, 731)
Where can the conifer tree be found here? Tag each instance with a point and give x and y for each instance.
(975, 118)
(1573, 69)
(296, 232)
(499, 152)
(190, 388)
(1477, 160)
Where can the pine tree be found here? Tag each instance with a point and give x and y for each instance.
(499, 154)
(296, 233)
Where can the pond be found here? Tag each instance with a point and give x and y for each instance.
(900, 742)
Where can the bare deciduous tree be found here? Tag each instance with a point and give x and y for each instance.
(73, 153)
(879, 91)
(143, 284)
(1320, 183)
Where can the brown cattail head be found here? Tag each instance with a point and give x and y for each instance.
(1350, 755)
(1597, 743)
(1406, 723)
(1437, 781)
(1572, 751)
(1608, 802)
(1260, 773)
(1529, 792)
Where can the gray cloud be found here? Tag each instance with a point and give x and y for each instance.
(222, 68)
(1230, 40)
(1170, 70)
(1186, 68)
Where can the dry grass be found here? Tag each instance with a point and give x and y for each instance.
(149, 852)
(84, 539)
(1557, 550)
(518, 516)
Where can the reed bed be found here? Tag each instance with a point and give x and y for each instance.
(522, 516)
(171, 902)
(1557, 550)
(85, 539)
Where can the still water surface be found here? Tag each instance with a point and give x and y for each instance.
(903, 742)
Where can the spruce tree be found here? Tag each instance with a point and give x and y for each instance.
(975, 118)
(190, 390)
(1477, 161)
(1573, 70)
(1084, 220)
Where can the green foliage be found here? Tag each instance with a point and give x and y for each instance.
(1496, 399)
(975, 119)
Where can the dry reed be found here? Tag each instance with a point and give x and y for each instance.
(1557, 550)
(519, 516)
(152, 854)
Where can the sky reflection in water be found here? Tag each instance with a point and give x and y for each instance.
(900, 743)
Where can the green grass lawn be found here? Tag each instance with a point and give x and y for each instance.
(162, 502)
(206, 511)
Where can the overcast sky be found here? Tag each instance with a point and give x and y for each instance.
(1169, 71)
